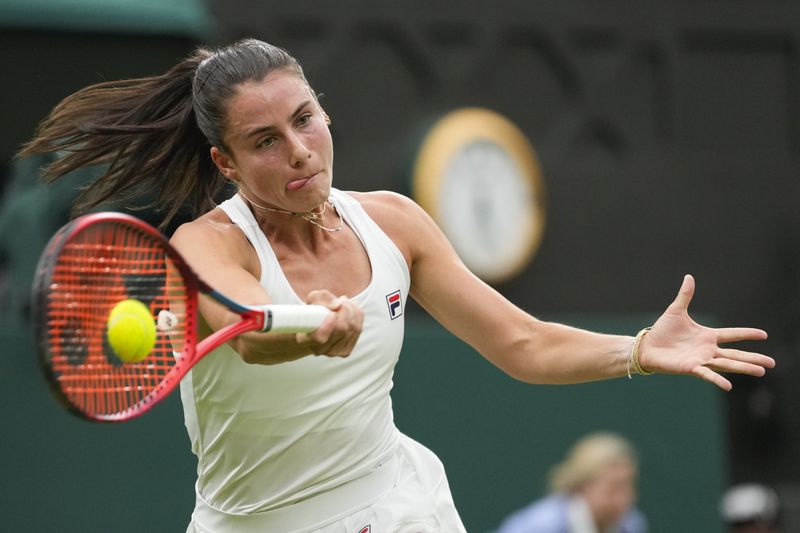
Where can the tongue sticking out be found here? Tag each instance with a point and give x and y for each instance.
(296, 184)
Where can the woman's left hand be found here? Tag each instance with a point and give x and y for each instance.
(676, 344)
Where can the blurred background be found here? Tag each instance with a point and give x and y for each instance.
(668, 135)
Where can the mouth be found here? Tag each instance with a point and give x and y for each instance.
(300, 182)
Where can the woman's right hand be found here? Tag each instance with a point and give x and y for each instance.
(338, 334)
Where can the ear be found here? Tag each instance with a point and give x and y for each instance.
(317, 96)
(225, 164)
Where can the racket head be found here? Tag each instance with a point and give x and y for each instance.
(91, 264)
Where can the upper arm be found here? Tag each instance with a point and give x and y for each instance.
(222, 257)
(444, 286)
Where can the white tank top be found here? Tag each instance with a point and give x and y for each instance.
(268, 436)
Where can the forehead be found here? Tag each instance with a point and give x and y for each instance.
(278, 93)
(619, 469)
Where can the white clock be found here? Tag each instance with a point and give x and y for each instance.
(477, 175)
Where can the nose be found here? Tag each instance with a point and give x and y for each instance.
(298, 151)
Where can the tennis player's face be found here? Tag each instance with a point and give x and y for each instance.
(611, 494)
(279, 144)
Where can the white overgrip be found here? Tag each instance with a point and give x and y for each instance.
(293, 318)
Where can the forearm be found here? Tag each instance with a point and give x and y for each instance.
(551, 353)
(270, 348)
(257, 347)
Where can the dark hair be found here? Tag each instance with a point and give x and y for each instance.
(154, 133)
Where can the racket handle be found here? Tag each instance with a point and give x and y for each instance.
(293, 318)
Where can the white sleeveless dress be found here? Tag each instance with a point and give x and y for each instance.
(304, 444)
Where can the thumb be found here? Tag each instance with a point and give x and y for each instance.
(685, 293)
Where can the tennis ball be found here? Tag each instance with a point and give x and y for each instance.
(131, 330)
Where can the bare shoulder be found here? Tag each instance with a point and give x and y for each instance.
(385, 206)
(213, 237)
(400, 217)
(214, 226)
(392, 211)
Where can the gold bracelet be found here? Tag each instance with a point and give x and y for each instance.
(633, 359)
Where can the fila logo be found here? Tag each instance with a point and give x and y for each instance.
(366, 529)
(395, 307)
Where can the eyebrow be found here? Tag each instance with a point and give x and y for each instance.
(267, 129)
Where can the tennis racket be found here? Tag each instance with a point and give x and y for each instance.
(96, 261)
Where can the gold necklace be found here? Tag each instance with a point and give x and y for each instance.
(309, 216)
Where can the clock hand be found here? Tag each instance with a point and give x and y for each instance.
(482, 207)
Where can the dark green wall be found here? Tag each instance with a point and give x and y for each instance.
(62, 474)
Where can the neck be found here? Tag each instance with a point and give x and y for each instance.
(312, 217)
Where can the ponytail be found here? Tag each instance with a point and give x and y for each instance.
(154, 134)
(145, 133)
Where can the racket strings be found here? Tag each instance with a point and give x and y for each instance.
(96, 269)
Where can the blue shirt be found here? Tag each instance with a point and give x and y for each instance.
(551, 515)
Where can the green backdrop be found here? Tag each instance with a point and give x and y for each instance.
(497, 438)
(176, 17)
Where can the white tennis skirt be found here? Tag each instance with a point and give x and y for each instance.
(407, 494)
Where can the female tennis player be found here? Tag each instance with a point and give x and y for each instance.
(294, 433)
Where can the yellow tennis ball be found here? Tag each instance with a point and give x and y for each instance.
(131, 330)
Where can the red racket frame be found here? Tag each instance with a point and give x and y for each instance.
(70, 326)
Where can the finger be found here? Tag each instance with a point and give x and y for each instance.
(320, 297)
(343, 347)
(685, 293)
(340, 344)
(334, 304)
(308, 340)
(709, 375)
(349, 330)
(352, 316)
(339, 302)
(740, 334)
(736, 367)
(748, 357)
(302, 339)
(321, 335)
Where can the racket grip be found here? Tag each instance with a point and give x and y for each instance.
(293, 318)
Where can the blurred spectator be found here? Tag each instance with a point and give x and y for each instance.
(30, 212)
(592, 491)
(750, 508)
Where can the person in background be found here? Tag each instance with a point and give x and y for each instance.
(750, 508)
(592, 491)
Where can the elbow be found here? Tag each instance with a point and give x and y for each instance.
(527, 356)
(519, 361)
(525, 373)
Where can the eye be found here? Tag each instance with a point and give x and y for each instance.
(303, 120)
(266, 142)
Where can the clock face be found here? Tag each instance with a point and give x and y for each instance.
(485, 208)
(478, 177)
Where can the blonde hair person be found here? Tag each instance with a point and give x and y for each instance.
(592, 491)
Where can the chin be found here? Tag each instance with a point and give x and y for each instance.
(325, 184)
